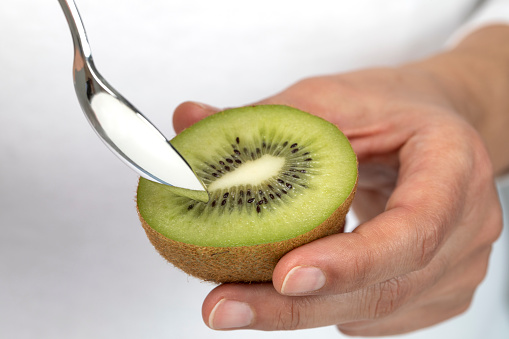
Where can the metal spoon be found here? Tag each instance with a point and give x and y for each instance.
(120, 125)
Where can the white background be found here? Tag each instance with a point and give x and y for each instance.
(74, 261)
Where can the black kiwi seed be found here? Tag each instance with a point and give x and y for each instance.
(258, 195)
(190, 207)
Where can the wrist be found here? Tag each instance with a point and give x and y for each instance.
(473, 78)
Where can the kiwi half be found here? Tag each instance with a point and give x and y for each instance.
(278, 178)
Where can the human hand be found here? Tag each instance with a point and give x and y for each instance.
(427, 204)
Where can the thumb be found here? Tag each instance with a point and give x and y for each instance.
(190, 112)
(393, 244)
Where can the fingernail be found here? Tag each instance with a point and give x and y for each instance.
(303, 279)
(230, 314)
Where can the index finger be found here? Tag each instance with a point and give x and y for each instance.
(190, 112)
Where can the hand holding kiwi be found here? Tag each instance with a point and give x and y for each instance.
(427, 204)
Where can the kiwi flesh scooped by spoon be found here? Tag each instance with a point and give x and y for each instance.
(278, 178)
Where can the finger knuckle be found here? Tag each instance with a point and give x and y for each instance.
(428, 240)
(461, 306)
(480, 162)
(493, 225)
(290, 316)
(479, 270)
(359, 269)
(387, 297)
(465, 305)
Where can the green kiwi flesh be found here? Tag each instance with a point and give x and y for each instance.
(277, 178)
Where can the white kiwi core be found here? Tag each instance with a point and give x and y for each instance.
(250, 173)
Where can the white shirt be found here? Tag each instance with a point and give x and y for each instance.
(257, 48)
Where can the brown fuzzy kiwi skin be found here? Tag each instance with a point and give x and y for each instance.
(243, 264)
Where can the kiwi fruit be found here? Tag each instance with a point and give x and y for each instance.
(277, 177)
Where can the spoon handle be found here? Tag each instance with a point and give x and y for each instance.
(79, 36)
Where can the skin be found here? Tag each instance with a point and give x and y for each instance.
(430, 138)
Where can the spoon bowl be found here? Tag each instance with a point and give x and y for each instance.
(131, 136)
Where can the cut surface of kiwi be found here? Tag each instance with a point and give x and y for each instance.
(274, 174)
